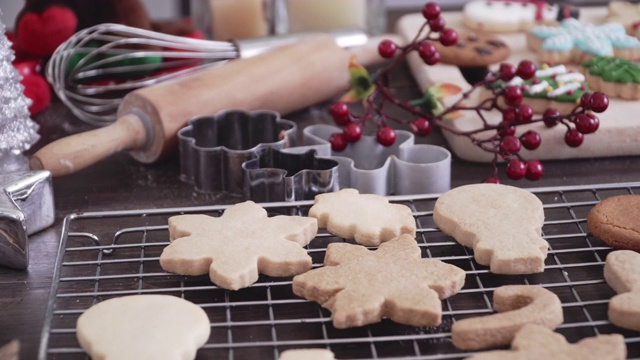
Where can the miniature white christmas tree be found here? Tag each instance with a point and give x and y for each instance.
(17, 131)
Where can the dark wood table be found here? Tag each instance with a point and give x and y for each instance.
(120, 183)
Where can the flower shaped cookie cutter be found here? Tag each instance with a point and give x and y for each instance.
(213, 148)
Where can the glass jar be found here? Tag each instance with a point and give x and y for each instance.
(232, 19)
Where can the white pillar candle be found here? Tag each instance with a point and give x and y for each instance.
(319, 15)
(238, 19)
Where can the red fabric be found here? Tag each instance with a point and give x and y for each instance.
(40, 34)
(37, 89)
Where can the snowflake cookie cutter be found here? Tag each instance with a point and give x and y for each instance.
(26, 207)
(404, 168)
(213, 148)
(283, 176)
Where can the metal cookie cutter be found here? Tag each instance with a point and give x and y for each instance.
(280, 176)
(213, 148)
(26, 207)
(404, 168)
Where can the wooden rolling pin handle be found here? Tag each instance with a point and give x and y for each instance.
(87, 148)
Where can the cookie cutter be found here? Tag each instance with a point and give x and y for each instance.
(26, 207)
(282, 176)
(213, 148)
(405, 168)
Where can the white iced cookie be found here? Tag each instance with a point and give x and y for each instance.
(501, 223)
(141, 327)
(509, 16)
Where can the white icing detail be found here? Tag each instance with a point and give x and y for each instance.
(573, 77)
(563, 89)
(512, 14)
(560, 69)
(516, 81)
(538, 88)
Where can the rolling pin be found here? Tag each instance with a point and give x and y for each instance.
(284, 80)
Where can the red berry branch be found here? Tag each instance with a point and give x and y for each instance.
(426, 112)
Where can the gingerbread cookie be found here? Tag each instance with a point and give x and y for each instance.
(501, 223)
(473, 54)
(615, 221)
(622, 273)
(575, 42)
(307, 354)
(367, 218)
(510, 16)
(613, 76)
(517, 306)
(362, 286)
(143, 327)
(537, 342)
(234, 248)
(552, 86)
(627, 14)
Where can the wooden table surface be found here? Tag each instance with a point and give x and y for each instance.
(120, 183)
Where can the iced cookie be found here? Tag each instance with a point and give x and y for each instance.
(307, 354)
(622, 273)
(535, 342)
(517, 306)
(367, 218)
(511, 16)
(613, 76)
(576, 42)
(361, 286)
(551, 87)
(239, 245)
(627, 14)
(473, 54)
(143, 327)
(501, 223)
(616, 221)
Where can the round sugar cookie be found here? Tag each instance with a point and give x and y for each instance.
(616, 221)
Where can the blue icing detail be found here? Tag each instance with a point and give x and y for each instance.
(593, 39)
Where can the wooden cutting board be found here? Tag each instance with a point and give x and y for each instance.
(619, 132)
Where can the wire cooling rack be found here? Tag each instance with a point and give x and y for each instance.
(108, 254)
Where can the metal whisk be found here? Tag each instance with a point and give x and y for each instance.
(97, 66)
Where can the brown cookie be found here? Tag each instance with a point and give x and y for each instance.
(474, 49)
(616, 221)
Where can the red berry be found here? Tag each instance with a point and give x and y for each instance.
(510, 144)
(387, 49)
(599, 102)
(587, 123)
(340, 113)
(492, 180)
(512, 95)
(426, 49)
(509, 115)
(504, 129)
(516, 169)
(421, 127)
(573, 138)
(448, 37)
(437, 24)
(386, 136)
(526, 69)
(431, 10)
(530, 140)
(433, 59)
(338, 142)
(524, 113)
(506, 72)
(585, 100)
(352, 132)
(551, 117)
(535, 170)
